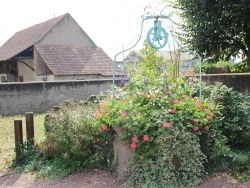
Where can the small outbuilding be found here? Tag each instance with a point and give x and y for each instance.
(57, 49)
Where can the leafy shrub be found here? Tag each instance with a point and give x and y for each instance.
(177, 161)
(73, 137)
(240, 67)
(230, 150)
(73, 143)
(162, 122)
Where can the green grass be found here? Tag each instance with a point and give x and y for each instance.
(7, 141)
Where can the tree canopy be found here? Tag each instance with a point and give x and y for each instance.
(217, 29)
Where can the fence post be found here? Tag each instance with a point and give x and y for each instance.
(30, 127)
(18, 128)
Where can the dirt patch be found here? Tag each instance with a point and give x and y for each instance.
(102, 179)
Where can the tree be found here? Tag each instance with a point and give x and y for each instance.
(217, 29)
(133, 57)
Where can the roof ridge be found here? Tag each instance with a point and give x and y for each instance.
(36, 33)
(49, 20)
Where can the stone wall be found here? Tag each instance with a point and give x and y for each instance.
(18, 98)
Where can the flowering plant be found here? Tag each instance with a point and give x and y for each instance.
(151, 107)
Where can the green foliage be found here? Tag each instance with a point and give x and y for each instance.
(240, 67)
(74, 141)
(229, 150)
(177, 161)
(162, 122)
(28, 154)
(7, 152)
(211, 68)
(216, 29)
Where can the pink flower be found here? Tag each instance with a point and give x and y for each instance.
(143, 95)
(172, 111)
(196, 128)
(98, 140)
(123, 100)
(184, 96)
(176, 102)
(168, 92)
(135, 139)
(145, 138)
(105, 127)
(198, 104)
(133, 145)
(166, 125)
(123, 114)
(209, 117)
(196, 121)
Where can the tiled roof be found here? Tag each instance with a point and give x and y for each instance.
(26, 38)
(68, 60)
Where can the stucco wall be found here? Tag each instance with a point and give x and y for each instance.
(238, 81)
(18, 98)
(25, 71)
(67, 32)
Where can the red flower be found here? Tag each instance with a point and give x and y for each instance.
(172, 111)
(145, 138)
(133, 145)
(176, 102)
(123, 114)
(135, 139)
(166, 125)
(105, 127)
(98, 140)
(196, 121)
(198, 104)
(168, 92)
(209, 117)
(196, 128)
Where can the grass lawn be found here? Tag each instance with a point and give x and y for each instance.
(7, 141)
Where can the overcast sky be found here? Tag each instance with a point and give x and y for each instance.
(112, 24)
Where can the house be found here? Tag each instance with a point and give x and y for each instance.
(57, 49)
(184, 59)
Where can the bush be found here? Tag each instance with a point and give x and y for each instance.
(74, 140)
(162, 122)
(235, 128)
(73, 143)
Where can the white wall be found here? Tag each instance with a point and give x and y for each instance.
(25, 71)
(67, 32)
